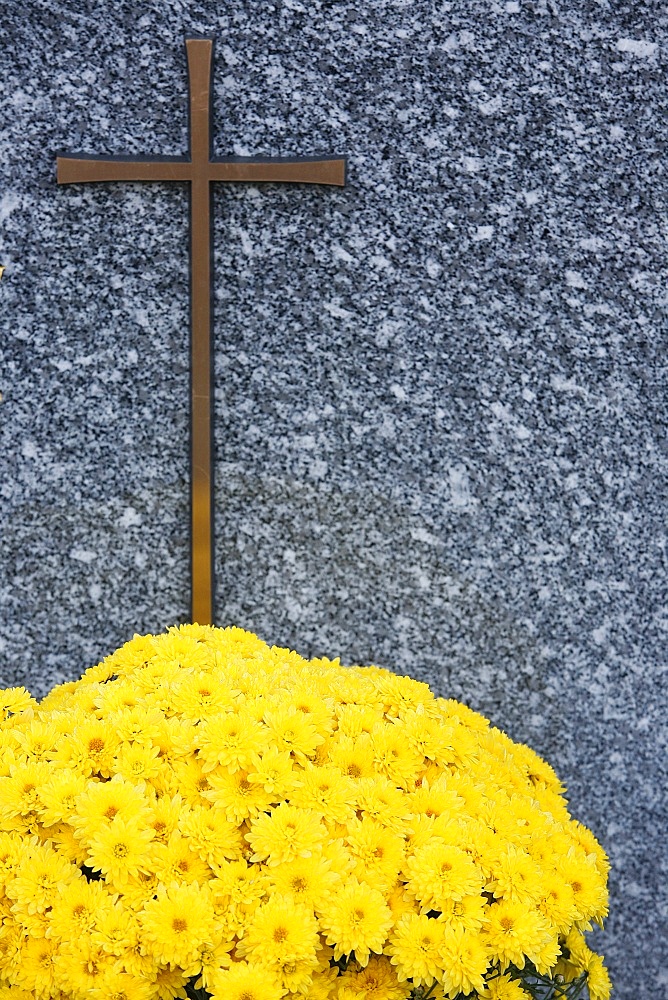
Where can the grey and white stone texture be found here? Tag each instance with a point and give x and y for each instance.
(440, 391)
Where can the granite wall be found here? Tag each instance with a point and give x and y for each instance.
(440, 392)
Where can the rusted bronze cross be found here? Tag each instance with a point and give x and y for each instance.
(200, 169)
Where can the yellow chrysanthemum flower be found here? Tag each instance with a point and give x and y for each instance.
(104, 801)
(438, 872)
(273, 771)
(376, 981)
(353, 756)
(557, 902)
(119, 850)
(138, 762)
(353, 720)
(177, 861)
(285, 833)
(76, 908)
(38, 740)
(310, 881)
(437, 799)
(469, 912)
(238, 885)
(590, 893)
(377, 852)
(515, 876)
(177, 923)
(186, 777)
(398, 694)
(280, 930)
(139, 889)
(210, 834)
(201, 695)
(322, 985)
(176, 738)
(598, 979)
(464, 959)
(415, 949)
(166, 814)
(379, 799)
(36, 971)
(514, 931)
(357, 921)
(393, 755)
(118, 984)
(20, 792)
(422, 830)
(239, 798)
(292, 731)
(12, 851)
(89, 749)
(246, 981)
(175, 651)
(504, 988)
(426, 736)
(231, 739)
(211, 959)
(117, 700)
(168, 983)
(81, 965)
(39, 875)
(325, 791)
(15, 700)
(116, 930)
(58, 796)
(400, 901)
(313, 703)
(588, 843)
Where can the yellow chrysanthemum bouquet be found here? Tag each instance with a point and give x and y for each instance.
(202, 815)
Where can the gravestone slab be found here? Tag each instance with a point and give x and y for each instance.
(440, 399)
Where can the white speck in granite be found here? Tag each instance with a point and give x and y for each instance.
(83, 555)
(9, 202)
(575, 280)
(641, 48)
(129, 518)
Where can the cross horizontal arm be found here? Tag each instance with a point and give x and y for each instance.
(304, 170)
(77, 169)
(80, 169)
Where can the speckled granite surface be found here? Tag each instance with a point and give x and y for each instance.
(441, 393)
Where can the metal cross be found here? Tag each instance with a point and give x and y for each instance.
(200, 169)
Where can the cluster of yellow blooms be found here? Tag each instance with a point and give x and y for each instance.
(202, 810)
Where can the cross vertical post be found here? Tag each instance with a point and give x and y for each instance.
(200, 169)
(201, 402)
